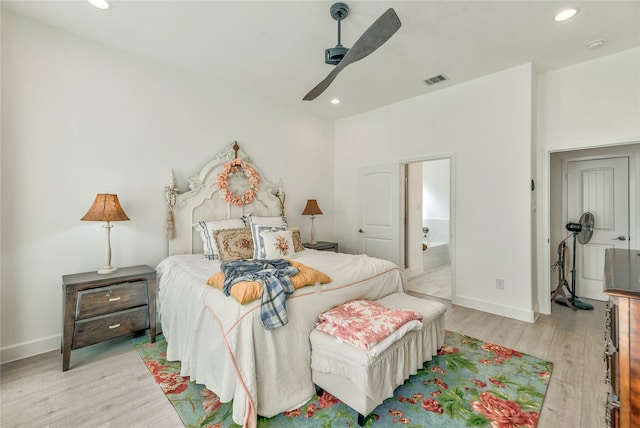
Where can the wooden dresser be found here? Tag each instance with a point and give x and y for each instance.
(622, 337)
(98, 307)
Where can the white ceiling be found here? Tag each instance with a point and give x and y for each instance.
(275, 49)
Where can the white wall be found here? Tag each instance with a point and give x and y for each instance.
(486, 123)
(435, 194)
(588, 105)
(80, 118)
(435, 189)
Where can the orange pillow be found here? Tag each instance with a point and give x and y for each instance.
(247, 291)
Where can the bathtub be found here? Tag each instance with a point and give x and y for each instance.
(436, 254)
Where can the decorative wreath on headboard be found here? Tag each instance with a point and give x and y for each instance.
(243, 197)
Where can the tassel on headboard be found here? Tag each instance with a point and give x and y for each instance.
(170, 193)
(170, 233)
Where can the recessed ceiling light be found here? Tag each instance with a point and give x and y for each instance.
(565, 14)
(335, 101)
(101, 4)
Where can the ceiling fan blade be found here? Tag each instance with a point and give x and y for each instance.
(375, 36)
(320, 87)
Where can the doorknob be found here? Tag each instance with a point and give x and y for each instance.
(360, 230)
(620, 238)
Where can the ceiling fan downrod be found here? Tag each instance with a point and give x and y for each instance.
(333, 56)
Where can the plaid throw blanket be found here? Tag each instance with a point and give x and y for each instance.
(275, 277)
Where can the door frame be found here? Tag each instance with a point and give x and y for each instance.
(452, 212)
(565, 197)
(626, 147)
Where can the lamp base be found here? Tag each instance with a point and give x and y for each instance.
(107, 269)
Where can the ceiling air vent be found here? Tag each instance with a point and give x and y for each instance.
(435, 79)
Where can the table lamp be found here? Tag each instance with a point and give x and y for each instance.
(107, 208)
(312, 209)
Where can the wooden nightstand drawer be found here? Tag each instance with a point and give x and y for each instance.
(110, 326)
(114, 298)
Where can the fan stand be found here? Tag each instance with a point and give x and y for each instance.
(562, 281)
(573, 302)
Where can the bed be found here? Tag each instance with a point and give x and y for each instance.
(222, 343)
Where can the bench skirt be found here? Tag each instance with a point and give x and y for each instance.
(363, 381)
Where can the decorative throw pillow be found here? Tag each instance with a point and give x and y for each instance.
(264, 221)
(258, 240)
(278, 244)
(206, 229)
(234, 244)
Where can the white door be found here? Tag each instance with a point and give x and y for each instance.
(380, 212)
(600, 186)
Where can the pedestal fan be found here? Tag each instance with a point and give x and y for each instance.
(581, 232)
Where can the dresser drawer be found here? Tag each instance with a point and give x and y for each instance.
(612, 415)
(114, 298)
(99, 329)
(612, 356)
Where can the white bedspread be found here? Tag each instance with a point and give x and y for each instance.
(224, 346)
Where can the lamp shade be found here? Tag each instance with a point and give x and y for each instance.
(311, 208)
(106, 207)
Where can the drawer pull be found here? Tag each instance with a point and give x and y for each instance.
(610, 350)
(114, 299)
(114, 326)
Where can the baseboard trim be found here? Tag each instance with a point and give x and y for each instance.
(536, 311)
(29, 349)
(492, 308)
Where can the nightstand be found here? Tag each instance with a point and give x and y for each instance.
(322, 246)
(97, 308)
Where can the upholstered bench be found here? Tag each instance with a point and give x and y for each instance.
(362, 380)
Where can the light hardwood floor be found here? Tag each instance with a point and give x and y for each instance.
(435, 282)
(109, 386)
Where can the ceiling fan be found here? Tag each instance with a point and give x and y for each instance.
(374, 37)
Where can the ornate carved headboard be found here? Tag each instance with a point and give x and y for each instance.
(205, 201)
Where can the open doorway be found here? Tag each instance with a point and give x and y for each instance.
(428, 228)
(605, 182)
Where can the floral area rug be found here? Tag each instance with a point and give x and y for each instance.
(469, 383)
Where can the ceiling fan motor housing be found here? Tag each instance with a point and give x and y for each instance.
(334, 55)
